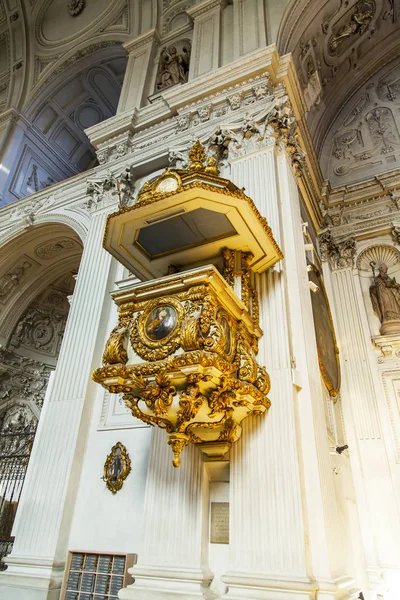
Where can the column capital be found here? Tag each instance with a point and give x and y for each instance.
(339, 254)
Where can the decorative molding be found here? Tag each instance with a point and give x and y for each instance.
(55, 247)
(115, 415)
(22, 379)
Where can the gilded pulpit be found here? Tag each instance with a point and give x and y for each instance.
(183, 353)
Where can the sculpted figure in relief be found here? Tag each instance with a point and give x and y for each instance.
(385, 298)
(174, 67)
(358, 23)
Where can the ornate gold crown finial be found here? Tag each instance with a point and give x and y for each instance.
(197, 156)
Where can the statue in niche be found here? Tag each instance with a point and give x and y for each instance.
(173, 67)
(385, 298)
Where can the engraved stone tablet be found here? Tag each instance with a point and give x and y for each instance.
(220, 522)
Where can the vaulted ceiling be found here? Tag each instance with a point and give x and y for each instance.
(340, 47)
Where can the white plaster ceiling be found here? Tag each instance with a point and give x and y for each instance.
(39, 39)
(55, 26)
(82, 97)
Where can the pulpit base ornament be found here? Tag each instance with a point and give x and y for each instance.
(189, 346)
(183, 353)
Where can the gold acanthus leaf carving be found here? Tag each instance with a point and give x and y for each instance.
(115, 351)
(229, 265)
(246, 259)
(248, 366)
(231, 432)
(263, 382)
(190, 402)
(221, 398)
(158, 394)
(131, 402)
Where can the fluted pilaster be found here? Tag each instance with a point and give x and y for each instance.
(173, 562)
(44, 514)
(364, 409)
(281, 493)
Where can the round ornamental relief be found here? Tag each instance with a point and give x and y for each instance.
(75, 7)
(156, 332)
(169, 184)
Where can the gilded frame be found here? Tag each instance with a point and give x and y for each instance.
(114, 484)
(326, 359)
(231, 340)
(147, 348)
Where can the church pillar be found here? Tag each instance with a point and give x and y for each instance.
(173, 561)
(248, 27)
(364, 412)
(282, 515)
(42, 525)
(140, 53)
(206, 47)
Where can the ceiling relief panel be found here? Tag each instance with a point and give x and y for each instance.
(364, 139)
(59, 21)
(336, 46)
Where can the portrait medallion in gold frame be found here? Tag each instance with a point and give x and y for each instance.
(156, 331)
(228, 332)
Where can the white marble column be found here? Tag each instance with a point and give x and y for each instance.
(206, 46)
(364, 407)
(279, 537)
(41, 529)
(140, 54)
(173, 563)
(249, 31)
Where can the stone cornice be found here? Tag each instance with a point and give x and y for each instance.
(358, 193)
(143, 40)
(204, 7)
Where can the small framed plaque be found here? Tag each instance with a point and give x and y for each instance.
(219, 523)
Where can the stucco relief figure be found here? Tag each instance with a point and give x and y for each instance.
(358, 23)
(12, 279)
(174, 67)
(385, 298)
